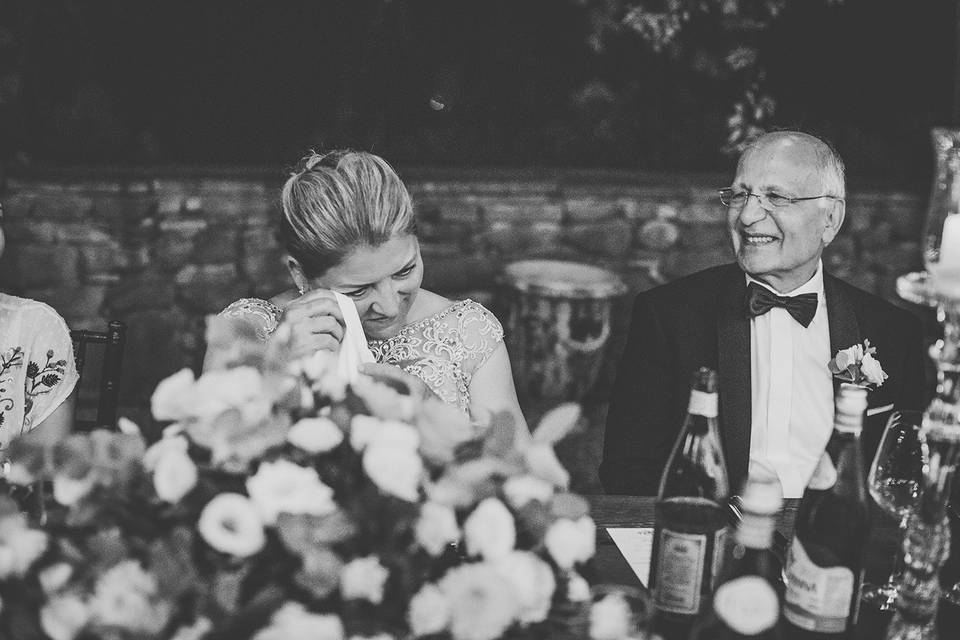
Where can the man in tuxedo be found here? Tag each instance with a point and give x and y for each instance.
(768, 325)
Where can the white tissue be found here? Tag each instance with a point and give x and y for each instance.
(353, 348)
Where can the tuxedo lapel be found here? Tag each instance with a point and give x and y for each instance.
(842, 319)
(733, 343)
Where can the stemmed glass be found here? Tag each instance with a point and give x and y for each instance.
(894, 481)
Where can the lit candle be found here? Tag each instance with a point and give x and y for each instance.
(946, 277)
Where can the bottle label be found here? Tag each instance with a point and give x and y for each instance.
(747, 605)
(719, 553)
(818, 598)
(680, 571)
(703, 403)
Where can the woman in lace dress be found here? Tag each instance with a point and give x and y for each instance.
(348, 226)
(37, 370)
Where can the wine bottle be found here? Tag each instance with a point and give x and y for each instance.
(690, 516)
(747, 604)
(825, 562)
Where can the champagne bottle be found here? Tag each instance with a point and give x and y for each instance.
(746, 604)
(690, 516)
(825, 563)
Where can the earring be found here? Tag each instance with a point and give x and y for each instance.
(302, 289)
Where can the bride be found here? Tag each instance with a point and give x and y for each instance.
(348, 226)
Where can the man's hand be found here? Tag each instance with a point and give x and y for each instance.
(315, 322)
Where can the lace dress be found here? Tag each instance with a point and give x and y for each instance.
(444, 350)
(37, 370)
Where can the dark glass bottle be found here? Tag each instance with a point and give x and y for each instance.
(747, 602)
(690, 516)
(825, 564)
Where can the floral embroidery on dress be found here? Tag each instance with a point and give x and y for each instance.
(265, 311)
(41, 379)
(10, 359)
(445, 349)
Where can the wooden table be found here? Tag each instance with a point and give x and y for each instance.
(631, 511)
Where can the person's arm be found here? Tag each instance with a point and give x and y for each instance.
(492, 390)
(58, 424)
(640, 431)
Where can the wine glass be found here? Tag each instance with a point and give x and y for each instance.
(894, 481)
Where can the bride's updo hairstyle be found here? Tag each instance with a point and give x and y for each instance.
(337, 201)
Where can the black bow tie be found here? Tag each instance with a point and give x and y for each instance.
(760, 300)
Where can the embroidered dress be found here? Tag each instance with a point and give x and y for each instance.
(444, 350)
(37, 370)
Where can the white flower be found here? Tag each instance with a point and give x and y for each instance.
(363, 579)
(482, 603)
(533, 583)
(175, 476)
(176, 443)
(489, 531)
(578, 590)
(284, 487)
(293, 622)
(171, 398)
(126, 596)
(571, 542)
(68, 491)
(20, 546)
(315, 435)
(196, 631)
(610, 618)
(221, 389)
(849, 356)
(543, 463)
(520, 490)
(436, 528)
(365, 430)
(395, 470)
(63, 617)
(872, 371)
(230, 524)
(379, 636)
(55, 577)
(429, 611)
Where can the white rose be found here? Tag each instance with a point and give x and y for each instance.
(429, 611)
(315, 435)
(436, 528)
(161, 447)
(571, 542)
(284, 487)
(610, 618)
(62, 617)
(364, 430)
(520, 490)
(292, 621)
(872, 371)
(218, 390)
(533, 582)
(363, 579)
(171, 399)
(543, 463)
(55, 577)
(24, 546)
(230, 524)
(68, 491)
(489, 531)
(395, 470)
(175, 476)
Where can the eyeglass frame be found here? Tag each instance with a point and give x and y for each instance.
(764, 199)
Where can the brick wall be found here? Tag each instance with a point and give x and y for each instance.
(161, 252)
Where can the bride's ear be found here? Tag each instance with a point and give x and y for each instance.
(296, 272)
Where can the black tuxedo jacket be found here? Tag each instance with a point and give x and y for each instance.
(701, 320)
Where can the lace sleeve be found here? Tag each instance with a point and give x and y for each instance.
(262, 314)
(51, 372)
(481, 333)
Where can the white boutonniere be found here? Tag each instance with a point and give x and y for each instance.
(857, 365)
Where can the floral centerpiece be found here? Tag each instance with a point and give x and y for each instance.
(284, 503)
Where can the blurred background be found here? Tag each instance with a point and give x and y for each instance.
(143, 142)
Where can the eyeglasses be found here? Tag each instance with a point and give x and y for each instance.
(768, 201)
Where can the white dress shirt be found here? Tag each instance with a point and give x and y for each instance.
(791, 390)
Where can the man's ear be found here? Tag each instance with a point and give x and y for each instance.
(296, 272)
(835, 214)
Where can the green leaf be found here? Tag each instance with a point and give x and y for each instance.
(501, 438)
(301, 533)
(570, 506)
(320, 573)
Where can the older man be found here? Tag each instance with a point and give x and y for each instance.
(768, 324)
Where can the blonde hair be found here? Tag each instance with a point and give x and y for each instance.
(337, 201)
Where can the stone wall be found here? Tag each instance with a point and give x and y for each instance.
(159, 252)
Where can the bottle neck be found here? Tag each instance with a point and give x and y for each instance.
(702, 403)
